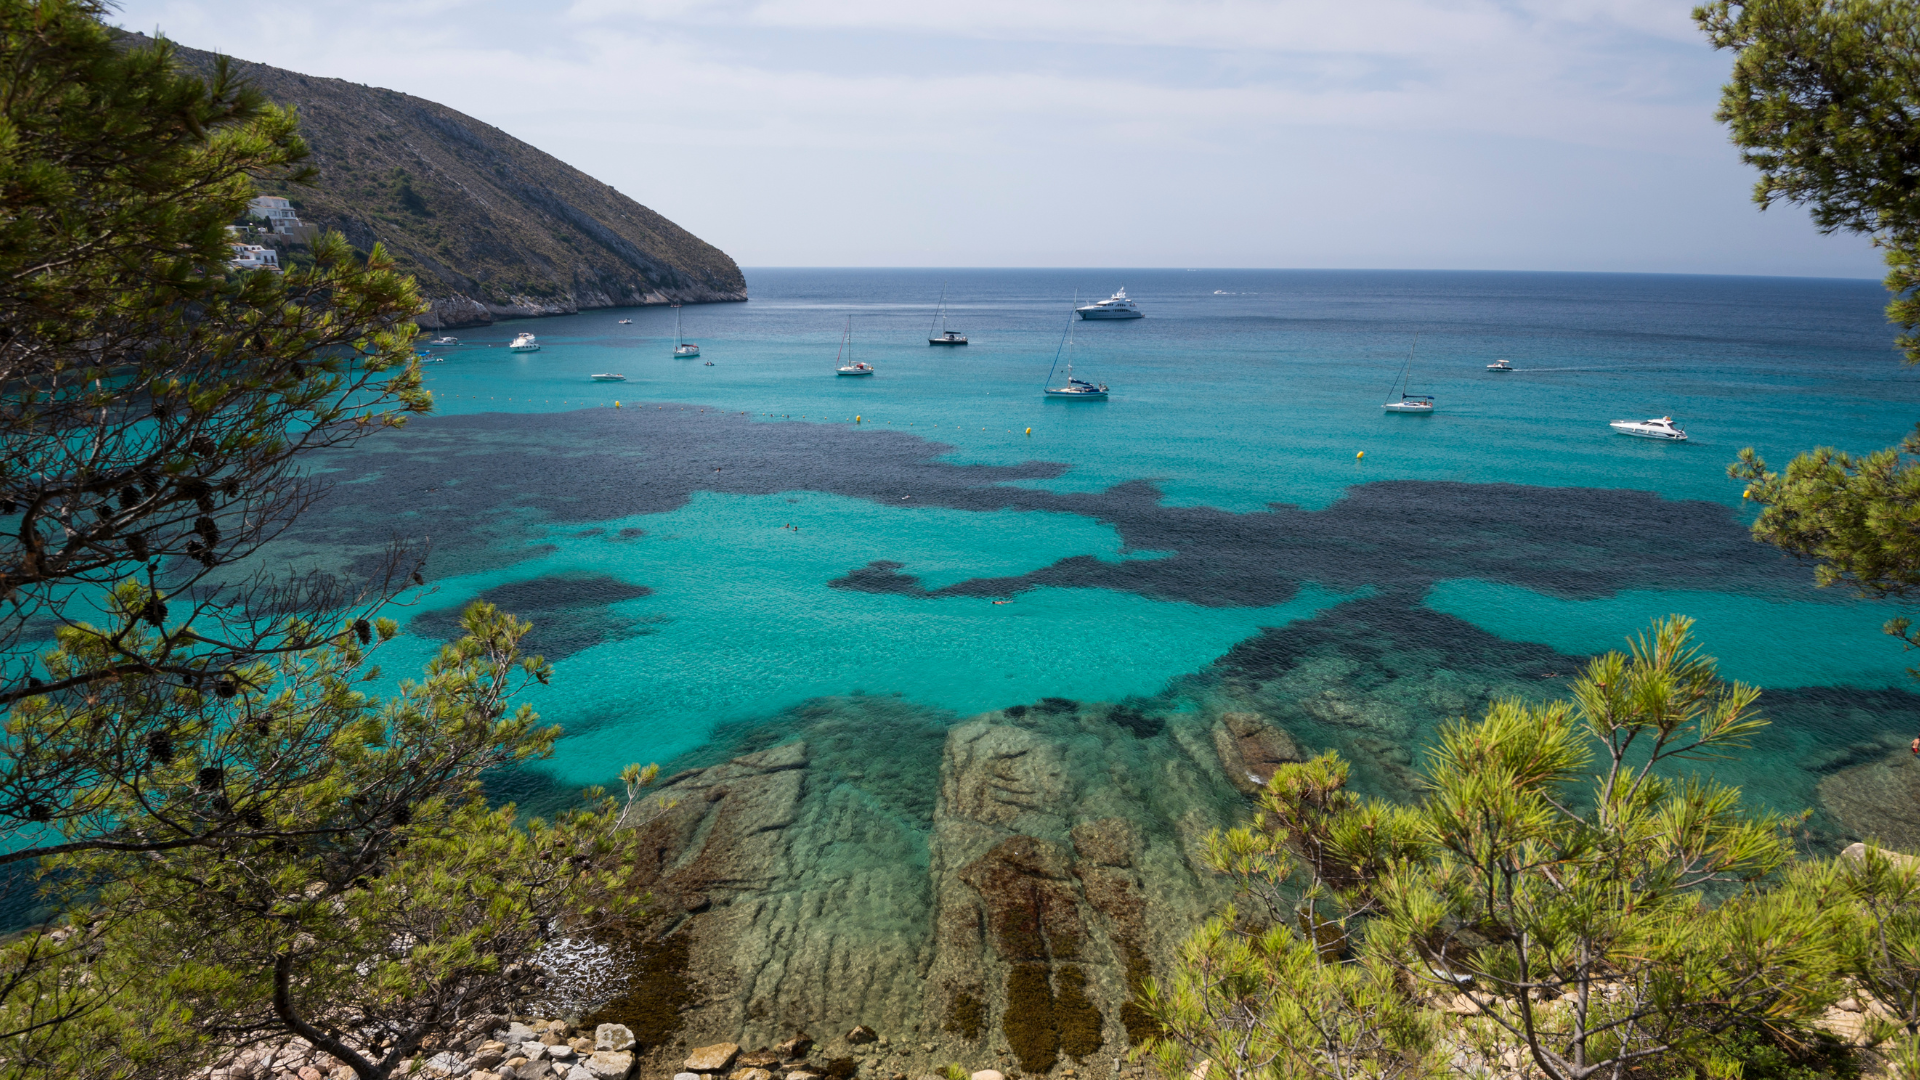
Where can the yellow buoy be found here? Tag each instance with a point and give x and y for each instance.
(1029, 431)
(616, 404)
(1359, 455)
(1746, 494)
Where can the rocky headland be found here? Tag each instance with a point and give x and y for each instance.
(491, 227)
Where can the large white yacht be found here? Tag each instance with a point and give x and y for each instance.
(1660, 427)
(524, 343)
(1116, 306)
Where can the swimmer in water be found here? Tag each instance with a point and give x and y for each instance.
(1915, 747)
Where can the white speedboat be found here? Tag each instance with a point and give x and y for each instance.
(1418, 404)
(682, 349)
(1660, 427)
(1116, 306)
(1499, 365)
(609, 377)
(626, 322)
(524, 343)
(851, 367)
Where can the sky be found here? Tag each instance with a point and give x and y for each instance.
(1415, 134)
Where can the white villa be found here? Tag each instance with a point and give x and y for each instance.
(280, 215)
(254, 257)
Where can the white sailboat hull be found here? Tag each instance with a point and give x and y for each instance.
(1110, 313)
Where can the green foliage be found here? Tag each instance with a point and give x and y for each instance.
(392, 902)
(1551, 887)
(1268, 1004)
(152, 401)
(1823, 102)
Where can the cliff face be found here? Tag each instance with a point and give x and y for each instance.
(491, 227)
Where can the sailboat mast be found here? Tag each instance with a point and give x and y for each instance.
(940, 313)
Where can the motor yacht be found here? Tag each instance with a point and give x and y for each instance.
(1499, 365)
(1660, 427)
(524, 343)
(444, 341)
(1116, 306)
(609, 377)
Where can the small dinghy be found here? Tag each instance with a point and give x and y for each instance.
(609, 377)
(1660, 427)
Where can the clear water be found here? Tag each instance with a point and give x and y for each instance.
(731, 542)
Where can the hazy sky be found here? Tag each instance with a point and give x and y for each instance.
(1470, 134)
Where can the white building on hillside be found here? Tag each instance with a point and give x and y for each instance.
(254, 257)
(280, 214)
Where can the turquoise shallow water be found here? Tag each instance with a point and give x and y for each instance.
(730, 543)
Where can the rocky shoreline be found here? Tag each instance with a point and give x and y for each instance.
(1006, 926)
(458, 310)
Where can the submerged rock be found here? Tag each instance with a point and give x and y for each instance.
(1878, 801)
(1251, 749)
(993, 893)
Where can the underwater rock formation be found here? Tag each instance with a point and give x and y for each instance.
(1878, 800)
(1005, 918)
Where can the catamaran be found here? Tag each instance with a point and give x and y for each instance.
(852, 366)
(945, 336)
(1420, 404)
(682, 349)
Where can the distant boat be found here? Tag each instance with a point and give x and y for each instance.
(609, 377)
(1660, 427)
(525, 343)
(1419, 404)
(852, 366)
(626, 322)
(1499, 365)
(683, 349)
(946, 336)
(444, 341)
(1073, 389)
(1116, 306)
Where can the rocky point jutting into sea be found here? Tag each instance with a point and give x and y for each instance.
(489, 226)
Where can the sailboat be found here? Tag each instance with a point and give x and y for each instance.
(946, 336)
(852, 366)
(1410, 403)
(1074, 389)
(682, 349)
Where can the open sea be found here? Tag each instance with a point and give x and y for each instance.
(738, 549)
